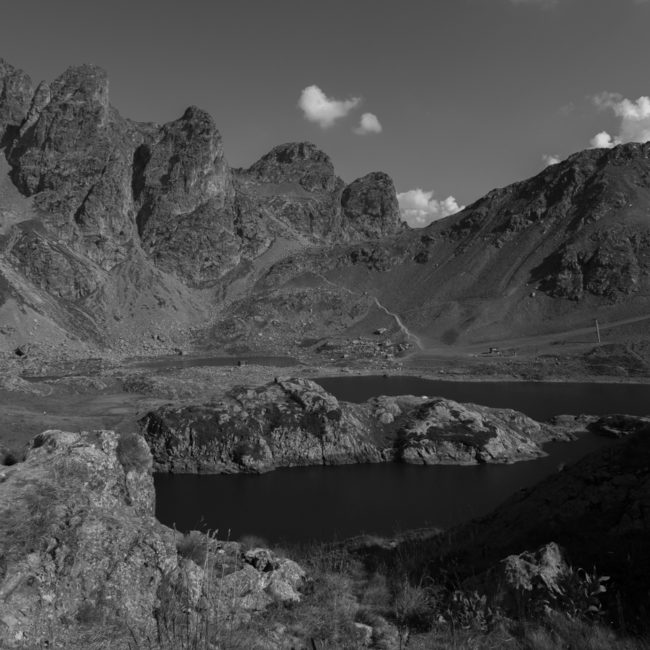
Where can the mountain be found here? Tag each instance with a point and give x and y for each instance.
(548, 254)
(111, 227)
(137, 235)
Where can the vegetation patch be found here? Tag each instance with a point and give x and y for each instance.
(133, 453)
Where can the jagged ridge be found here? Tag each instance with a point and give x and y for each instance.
(107, 189)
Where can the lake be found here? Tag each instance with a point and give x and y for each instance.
(539, 400)
(326, 503)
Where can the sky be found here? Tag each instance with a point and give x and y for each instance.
(452, 98)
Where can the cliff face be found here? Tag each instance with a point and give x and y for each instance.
(83, 560)
(295, 422)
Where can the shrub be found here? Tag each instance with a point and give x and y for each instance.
(194, 546)
(249, 542)
(8, 457)
(133, 453)
(412, 606)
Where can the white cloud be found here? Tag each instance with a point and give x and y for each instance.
(634, 117)
(369, 124)
(602, 140)
(323, 110)
(419, 208)
(551, 159)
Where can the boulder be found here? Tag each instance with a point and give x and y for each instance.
(542, 569)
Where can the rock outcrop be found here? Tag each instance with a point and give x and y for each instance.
(441, 431)
(281, 424)
(293, 422)
(83, 560)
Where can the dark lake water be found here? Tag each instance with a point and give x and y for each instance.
(327, 503)
(539, 400)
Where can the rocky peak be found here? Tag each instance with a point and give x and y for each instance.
(183, 190)
(184, 168)
(296, 162)
(84, 86)
(16, 92)
(370, 208)
(68, 123)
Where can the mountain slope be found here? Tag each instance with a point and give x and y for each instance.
(546, 254)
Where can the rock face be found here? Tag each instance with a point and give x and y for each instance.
(183, 189)
(296, 422)
(370, 206)
(297, 162)
(83, 560)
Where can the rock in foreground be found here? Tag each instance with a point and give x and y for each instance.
(293, 422)
(83, 561)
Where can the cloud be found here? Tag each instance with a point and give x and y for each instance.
(551, 159)
(323, 110)
(369, 124)
(634, 125)
(419, 208)
(602, 140)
